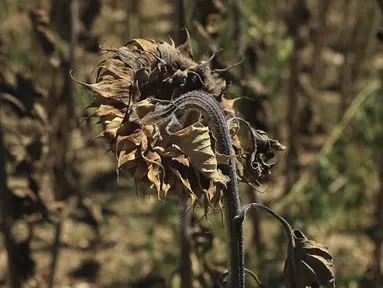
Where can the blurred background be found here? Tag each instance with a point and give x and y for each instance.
(312, 80)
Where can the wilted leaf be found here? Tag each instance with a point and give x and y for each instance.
(115, 89)
(168, 183)
(194, 142)
(308, 264)
(127, 160)
(118, 69)
(108, 112)
(111, 127)
(255, 154)
(186, 48)
(152, 158)
(176, 155)
(140, 109)
(182, 160)
(143, 44)
(129, 142)
(227, 106)
(154, 177)
(184, 182)
(141, 170)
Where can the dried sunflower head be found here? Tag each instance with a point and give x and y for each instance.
(130, 84)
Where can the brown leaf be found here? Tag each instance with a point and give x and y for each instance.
(135, 138)
(182, 160)
(154, 177)
(212, 190)
(110, 89)
(227, 106)
(111, 127)
(309, 264)
(184, 183)
(152, 158)
(176, 154)
(108, 112)
(237, 143)
(186, 48)
(194, 142)
(132, 58)
(143, 44)
(141, 171)
(127, 161)
(117, 69)
(168, 183)
(144, 144)
(140, 109)
(240, 168)
(126, 144)
(135, 92)
(255, 154)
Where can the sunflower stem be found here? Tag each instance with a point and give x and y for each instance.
(234, 230)
(186, 271)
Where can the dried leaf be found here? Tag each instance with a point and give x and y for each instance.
(132, 58)
(111, 127)
(309, 264)
(168, 183)
(194, 142)
(143, 44)
(182, 160)
(185, 183)
(140, 109)
(126, 144)
(116, 68)
(128, 161)
(259, 149)
(176, 154)
(135, 138)
(223, 158)
(141, 171)
(152, 158)
(227, 106)
(144, 144)
(240, 168)
(212, 190)
(186, 49)
(108, 112)
(154, 177)
(110, 89)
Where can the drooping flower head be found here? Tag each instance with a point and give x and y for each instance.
(131, 83)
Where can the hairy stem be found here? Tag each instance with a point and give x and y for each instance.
(235, 230)
(286, 225)
(235, 243)
(186, 272)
